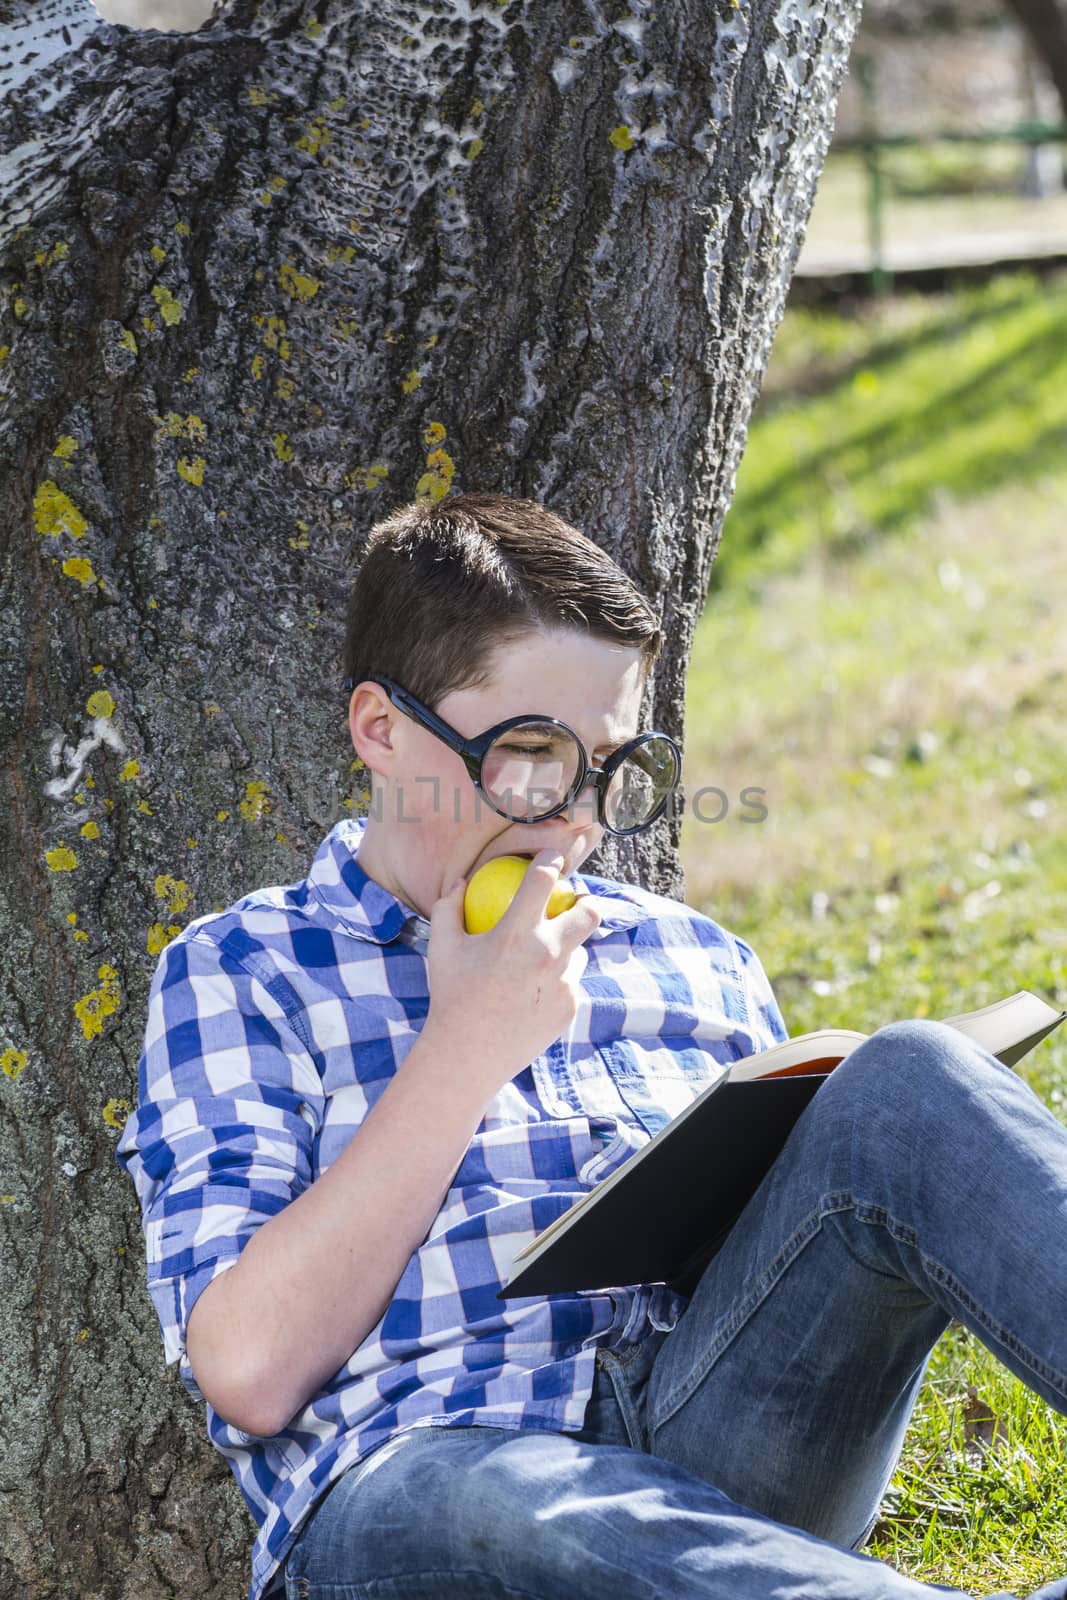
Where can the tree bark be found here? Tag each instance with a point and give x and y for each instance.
(1045, 24)
(260, 284)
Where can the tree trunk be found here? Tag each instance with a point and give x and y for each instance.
(260, 284)
(1045, 24)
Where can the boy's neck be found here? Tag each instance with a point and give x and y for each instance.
(374, 858)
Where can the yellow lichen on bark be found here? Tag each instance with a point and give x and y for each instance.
(257, 800)
(169, 309)
(13, 1062)
(115, 1114)
(82, 569)
(93, 1007)
(437, 479)
(55, 512)
(100, 704)
(175, 891)
(296, 284)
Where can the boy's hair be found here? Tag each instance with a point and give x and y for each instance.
(443, 583)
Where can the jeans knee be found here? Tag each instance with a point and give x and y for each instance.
(911, 1070)
(923, 1045)
(913, 1038)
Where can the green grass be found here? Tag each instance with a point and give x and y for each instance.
(980, 1497)
(943, 167)
(901, 697)
(864, 427)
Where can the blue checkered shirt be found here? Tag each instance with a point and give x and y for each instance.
(272, 1029)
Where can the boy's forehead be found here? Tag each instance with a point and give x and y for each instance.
(554, 655)
(580, 680)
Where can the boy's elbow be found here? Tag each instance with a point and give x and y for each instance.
(238, 1404)
(257, 1424)
(222, 1374)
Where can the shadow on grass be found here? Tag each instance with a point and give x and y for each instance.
(888, 461)
(829, 372)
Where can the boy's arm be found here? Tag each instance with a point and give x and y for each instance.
(293, 1273)
(221, 1150)
(313, 1281)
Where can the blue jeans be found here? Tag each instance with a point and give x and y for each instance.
(742, 1454)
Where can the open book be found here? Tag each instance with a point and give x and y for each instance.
(666, 1211)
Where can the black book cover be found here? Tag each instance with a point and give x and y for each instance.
(669, 1215)
(670, 1207)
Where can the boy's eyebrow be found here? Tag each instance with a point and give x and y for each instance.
(613, 741)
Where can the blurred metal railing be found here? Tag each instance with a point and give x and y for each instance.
(871, 143)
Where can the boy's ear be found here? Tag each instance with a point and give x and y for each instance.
(372, 719)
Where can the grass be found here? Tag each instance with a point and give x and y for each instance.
(883, 654)
(865, 427)
(928, 171)
(980, 1497)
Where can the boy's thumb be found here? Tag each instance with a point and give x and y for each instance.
(455, 902)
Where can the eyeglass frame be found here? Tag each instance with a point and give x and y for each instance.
(472, 753)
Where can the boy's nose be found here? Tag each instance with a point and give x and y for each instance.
(583, 803)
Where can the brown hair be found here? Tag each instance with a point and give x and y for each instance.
(443, 583)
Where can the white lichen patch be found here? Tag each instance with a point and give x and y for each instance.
(35, 40)
(718, 221)
(102, 731)
(565, 70)
(42, 60)
(632, 28)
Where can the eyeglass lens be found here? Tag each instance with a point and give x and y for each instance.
(531, 768)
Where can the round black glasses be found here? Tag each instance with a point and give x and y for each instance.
(531, 767)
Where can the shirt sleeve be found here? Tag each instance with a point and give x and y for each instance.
(765, 1018)
(229, 1103)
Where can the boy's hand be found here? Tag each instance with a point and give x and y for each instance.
(508, 993)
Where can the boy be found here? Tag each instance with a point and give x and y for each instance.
(353, 1114)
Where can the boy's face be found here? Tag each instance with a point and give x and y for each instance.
(430, 825)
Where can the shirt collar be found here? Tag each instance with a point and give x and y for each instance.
(371, 912)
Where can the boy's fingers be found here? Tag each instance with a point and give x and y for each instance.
(450, 897)
(587, 907)
(541, 877)
(577, 850)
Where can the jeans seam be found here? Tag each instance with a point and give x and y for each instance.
(627, 1410)
(788, 1253)
(450, 1575)
(876, 1216)
(938, 1273)
(622, 1359)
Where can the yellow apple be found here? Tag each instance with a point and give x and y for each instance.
(495, 885)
